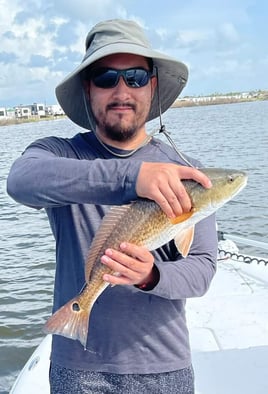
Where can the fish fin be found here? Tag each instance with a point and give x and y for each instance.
(109, 221)
(70, 321)
(183, 240)
(181, 218)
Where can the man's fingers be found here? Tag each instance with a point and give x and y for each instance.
(171, 207)
(162, 183)
(137, 252)
(132, 264)
(177, 198)
(194, 174)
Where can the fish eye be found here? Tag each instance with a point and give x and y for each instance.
(76, 307)
(230, 178)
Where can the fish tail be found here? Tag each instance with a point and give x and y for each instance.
(70, 321)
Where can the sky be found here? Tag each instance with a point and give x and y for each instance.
(223, 42)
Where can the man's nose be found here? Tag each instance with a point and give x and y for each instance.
(121, 88)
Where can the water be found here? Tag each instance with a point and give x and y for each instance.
(234, 135)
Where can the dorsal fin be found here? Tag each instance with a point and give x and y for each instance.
(110, 220)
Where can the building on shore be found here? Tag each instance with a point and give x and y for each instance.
(38, 109)
(54, 110)
(35, 110)
(22, 112)
(3, 113)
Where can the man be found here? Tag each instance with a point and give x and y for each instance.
(138, 339)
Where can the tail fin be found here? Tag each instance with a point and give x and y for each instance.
(70, 321)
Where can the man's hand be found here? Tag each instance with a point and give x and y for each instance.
(133, 265)
(161, 182)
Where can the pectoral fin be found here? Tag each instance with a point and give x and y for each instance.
(183, 241)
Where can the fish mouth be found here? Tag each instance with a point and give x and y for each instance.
(242, 184)
(241, 179)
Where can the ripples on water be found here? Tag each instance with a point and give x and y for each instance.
(220, 136)
(232, 136)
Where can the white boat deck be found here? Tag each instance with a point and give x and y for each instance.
(228, 331)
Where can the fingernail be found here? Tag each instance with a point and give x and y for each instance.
(109, 252)
(123, 245)
(209, 183)
(104, 259)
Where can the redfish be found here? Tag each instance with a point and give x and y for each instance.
(143, 223)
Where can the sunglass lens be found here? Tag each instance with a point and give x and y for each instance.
(108, 78)
(136, 78)
(105, 78)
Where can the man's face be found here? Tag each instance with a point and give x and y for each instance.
(121, 111)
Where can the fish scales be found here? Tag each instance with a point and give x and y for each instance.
(142, 223)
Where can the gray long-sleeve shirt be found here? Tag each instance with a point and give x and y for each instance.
(130, 331)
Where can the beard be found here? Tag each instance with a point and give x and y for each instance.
(120, 129)
(119, 134)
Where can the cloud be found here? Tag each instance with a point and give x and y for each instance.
(193, 36)
(41, 41)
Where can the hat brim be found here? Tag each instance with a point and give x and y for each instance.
(172, 77)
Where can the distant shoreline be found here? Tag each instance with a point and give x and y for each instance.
(32, 119)
(180, 103)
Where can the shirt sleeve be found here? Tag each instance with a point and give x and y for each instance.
(188, 277)
(41, 179)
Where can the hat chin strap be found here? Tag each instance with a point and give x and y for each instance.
(162, 128)
(86, 105)
(172, 143)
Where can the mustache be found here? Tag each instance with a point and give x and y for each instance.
(121, 104)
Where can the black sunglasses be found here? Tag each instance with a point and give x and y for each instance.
(107, 78)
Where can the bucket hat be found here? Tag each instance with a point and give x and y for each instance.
(120, 36)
